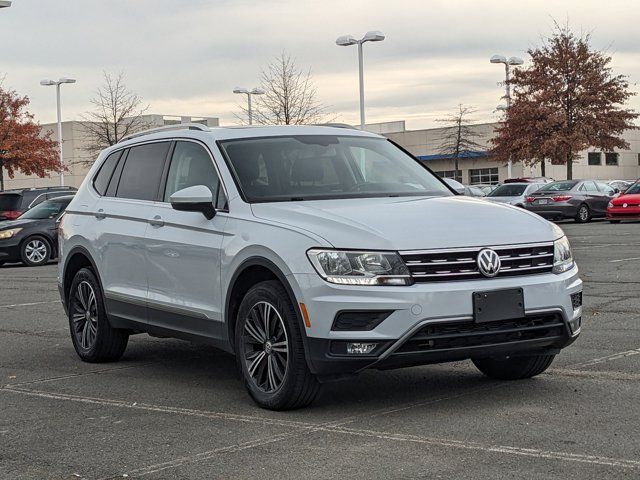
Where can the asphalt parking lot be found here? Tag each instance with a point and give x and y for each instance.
(171, 409)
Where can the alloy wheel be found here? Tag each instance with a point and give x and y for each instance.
(85, 315)
(583, 213)
(266, 347)
(35, 251)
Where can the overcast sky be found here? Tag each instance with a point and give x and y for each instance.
(184, 57)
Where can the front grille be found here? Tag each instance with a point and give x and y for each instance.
(444, 336)
(460, 263)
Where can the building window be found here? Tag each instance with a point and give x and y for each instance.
(594, 158)
(450, 174)
(483, 175)
(639, 159)
(611, 158)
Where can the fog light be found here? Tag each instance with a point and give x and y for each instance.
(360, 348)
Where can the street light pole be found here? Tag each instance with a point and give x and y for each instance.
(249, 93)
(507, 87)
(347, 40)
(49, 83)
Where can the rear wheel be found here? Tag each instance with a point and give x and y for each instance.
(514, 368)
(35, 251)
(93, 337)
(269, 349)
(584, 214)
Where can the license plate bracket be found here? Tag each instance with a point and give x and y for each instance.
(496, 305)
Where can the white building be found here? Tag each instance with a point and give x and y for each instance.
(478, 167)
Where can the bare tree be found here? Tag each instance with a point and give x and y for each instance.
(459, 135)
(117, 112)
(290, 95)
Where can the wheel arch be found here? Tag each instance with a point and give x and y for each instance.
(77, 258)
(251, 271)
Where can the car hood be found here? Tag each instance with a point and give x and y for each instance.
(633, 198)
(408, 224)
(17, 223)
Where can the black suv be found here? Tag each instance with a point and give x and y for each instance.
(14, 203)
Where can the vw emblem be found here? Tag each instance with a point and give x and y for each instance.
(624, 205)
(488, 262)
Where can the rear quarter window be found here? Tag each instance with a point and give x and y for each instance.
(101, 180)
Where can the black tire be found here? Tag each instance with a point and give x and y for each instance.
(102, 342)
(584, 214)
(514, 368)
(296, 387)
(35, 251)
(614, 221)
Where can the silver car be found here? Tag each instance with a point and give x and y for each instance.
(310, 253)
(513, 193)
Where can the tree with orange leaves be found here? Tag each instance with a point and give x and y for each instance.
(23, 147)
(566, 101)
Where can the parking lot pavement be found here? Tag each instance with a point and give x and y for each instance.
(172, 409)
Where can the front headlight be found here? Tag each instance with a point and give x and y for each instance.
(360, 268)
(562, 257)
(4, 234)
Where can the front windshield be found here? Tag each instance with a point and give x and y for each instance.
(558, 186)
(48, 209)
(508, 190)
(317, 167)
(635, 188)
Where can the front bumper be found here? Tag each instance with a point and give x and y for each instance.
(10, 250)
(430, 304)
(623, 213)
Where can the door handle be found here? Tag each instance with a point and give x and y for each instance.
(100, 215)
(156, 221)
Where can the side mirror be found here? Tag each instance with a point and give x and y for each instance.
(194, 199)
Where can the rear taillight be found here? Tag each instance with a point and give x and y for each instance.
(561, 198)
(529, 199)
(60, 222)
(10, 214)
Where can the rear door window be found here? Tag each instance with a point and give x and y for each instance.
(142, 171)
(101, 180)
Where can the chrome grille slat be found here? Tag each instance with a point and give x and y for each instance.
(460, 264)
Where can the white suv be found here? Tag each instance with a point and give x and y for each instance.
(311, 253)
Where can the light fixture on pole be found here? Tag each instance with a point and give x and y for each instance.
(249, 93)
(507, 62)
(5, 3)
(49, 83)
(347, 40)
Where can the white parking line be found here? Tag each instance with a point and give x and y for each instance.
(29, 304)
(624, 260)
(608, 358)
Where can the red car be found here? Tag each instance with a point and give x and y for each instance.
(626, 206)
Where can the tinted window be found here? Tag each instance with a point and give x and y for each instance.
(48, 209)
(508, 190)
(101, 180)
(589, 187)
(611, 158)
(190, 165)
(313, 167)
(558, 186)
(594, 158)
(140, 178)
(9, 201)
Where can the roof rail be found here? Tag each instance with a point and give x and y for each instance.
(177, 126)
(336, 125)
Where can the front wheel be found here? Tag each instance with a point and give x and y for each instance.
(93, 337)
(269, 349)
(514, 368)
(35, 251)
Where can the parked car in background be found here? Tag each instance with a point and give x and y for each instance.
(487, 188)
(528, 180)
(620, 185)
(514, 193)
(14, 203)
(580, 200)
(32, 239)
(626, 206)
(455, 185)
(474, 191)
